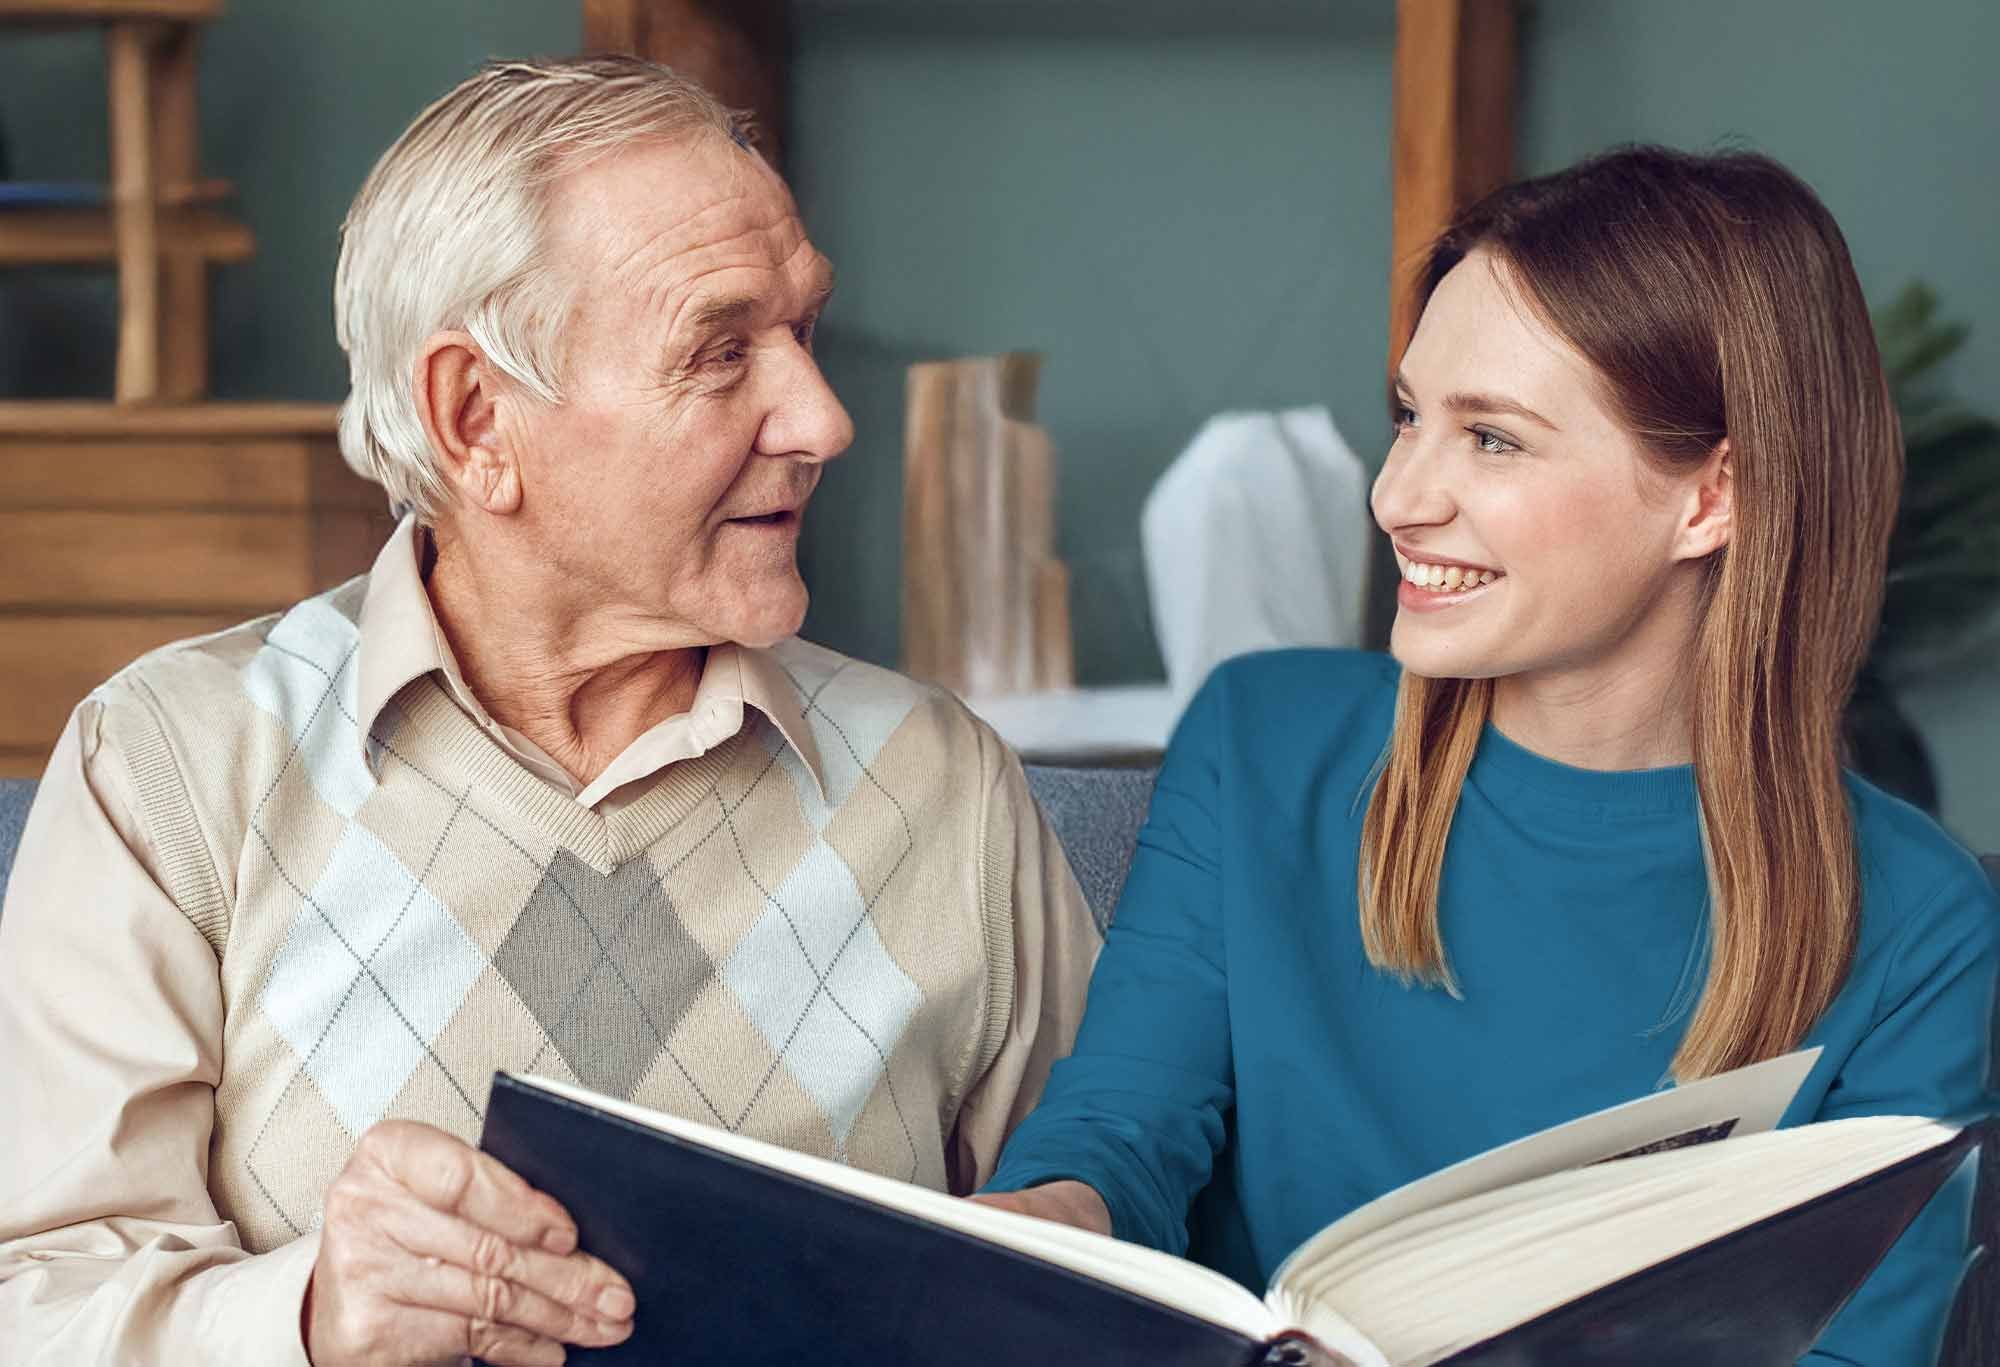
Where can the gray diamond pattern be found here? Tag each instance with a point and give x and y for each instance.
(606, 966)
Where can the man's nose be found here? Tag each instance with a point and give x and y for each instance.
(806, 421)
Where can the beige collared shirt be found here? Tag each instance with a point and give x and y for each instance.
(401, 640)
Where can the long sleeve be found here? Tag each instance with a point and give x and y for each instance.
(1054, 945)
(111, 1019)
(1137, 1112)
(1926, 1054)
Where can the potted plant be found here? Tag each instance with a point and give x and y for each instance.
(1944, 556)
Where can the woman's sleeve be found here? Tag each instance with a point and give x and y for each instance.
(1926, 1054)
(1137, 1110)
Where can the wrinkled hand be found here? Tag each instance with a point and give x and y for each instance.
(432, 1250)
(1067, 1203)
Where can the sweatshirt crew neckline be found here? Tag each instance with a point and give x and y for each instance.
(1502, 766)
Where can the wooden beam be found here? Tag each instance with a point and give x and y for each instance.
(87, 237)
(1454, 129)
(107, 11)
(1453, 141)
(736, 49)
(79, 418)
(135, 208)
(183, 303)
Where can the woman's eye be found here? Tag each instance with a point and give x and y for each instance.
(1406, 417)
(1492, 442)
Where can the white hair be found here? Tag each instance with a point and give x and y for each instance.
(448, 231)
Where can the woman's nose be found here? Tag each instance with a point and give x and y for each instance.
(1409, 491)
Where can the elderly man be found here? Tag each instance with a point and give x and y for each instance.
(551, 789)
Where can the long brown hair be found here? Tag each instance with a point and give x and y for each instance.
(1714, 297)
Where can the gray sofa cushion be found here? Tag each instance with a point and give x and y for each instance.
(15, 795)
(1096, 813)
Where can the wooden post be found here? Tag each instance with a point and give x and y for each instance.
(1453, 142)
(183, 306)
(135, 205)
(735, 48)
(1454, 129)
(985, 602)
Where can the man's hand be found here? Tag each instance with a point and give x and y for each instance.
(1067, 1203)
(432, 1250)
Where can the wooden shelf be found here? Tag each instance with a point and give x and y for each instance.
(107, 11)
(123, 527)
(83, 418)
(84, 237)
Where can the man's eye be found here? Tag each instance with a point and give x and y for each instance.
(804, 331)
(729, 355)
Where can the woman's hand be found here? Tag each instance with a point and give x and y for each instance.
(432, 1250)
(1067, 1203)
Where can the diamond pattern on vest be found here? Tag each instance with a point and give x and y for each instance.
(606, 966)
(375, 966)
(815, 977)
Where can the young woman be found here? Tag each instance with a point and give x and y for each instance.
(1587, 830)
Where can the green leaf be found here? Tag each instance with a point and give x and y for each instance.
(1944, 554)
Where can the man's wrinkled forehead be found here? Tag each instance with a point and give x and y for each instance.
(651, 223)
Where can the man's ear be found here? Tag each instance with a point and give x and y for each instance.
(458, 394)
(1711, 507)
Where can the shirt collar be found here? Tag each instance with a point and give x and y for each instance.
(402, 642)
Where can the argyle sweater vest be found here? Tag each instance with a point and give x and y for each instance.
(398, 915)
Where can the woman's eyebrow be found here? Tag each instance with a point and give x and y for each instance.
(1474, 402)
(1495, 403)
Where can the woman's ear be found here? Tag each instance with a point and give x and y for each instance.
(1711, 507)
(457, 392)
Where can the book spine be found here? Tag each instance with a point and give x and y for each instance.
(1295, 1348)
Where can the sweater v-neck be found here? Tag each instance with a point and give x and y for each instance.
(602, 840)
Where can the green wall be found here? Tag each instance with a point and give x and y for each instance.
(1181, 221)
(1184, 204)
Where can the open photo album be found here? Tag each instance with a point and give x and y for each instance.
(1652, 1231)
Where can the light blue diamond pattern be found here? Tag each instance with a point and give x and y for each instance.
(362, 1031)
(304, 675)
(854, 712)
(822, 988)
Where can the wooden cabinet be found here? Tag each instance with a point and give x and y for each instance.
(123, 528)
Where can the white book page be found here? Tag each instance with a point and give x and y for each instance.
(1749, 1100)
(1156, 1276)
(1511, 1255)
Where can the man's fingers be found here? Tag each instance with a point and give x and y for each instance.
(438, 1337)
(448, 1174)
(497, 1345)
(453, 1337)
(487, 1302)
(577, 1280)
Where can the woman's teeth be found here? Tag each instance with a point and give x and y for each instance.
(1448, 578)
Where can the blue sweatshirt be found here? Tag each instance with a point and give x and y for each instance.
(1240, 1056)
